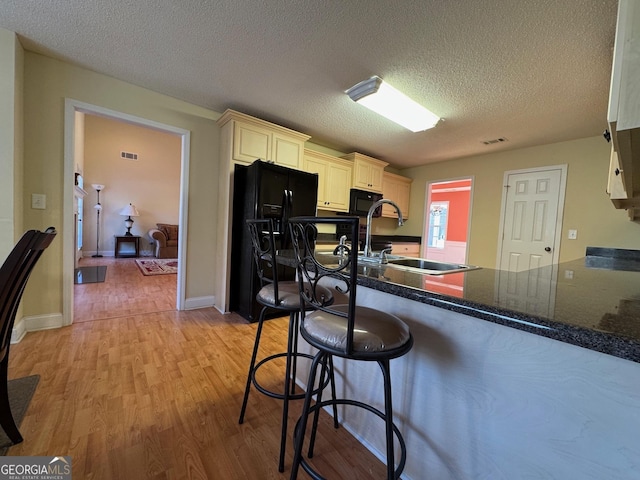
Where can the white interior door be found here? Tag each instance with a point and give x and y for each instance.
(532, 218)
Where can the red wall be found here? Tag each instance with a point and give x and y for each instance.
(458, 216)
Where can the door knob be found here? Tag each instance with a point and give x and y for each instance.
(547, 249)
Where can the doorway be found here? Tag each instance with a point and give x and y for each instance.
(74, 111)
(532, 208)
(448, 214)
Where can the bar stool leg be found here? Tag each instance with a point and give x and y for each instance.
(333, 393)
(292, 346)
(252, 365)
(388, 411)
(316, 415)
(299, 435)
(294, 318)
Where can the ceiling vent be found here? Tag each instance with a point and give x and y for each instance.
(495, 140)
(129, 155)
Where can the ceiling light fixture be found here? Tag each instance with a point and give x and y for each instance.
(382, 98)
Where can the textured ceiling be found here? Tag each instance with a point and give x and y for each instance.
(534, 71)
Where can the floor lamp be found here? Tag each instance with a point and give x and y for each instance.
(98, 206)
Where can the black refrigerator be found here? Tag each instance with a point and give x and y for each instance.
(264, 190)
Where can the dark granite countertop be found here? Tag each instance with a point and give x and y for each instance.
(592, 302)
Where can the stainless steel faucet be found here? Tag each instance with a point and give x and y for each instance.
(367, 243)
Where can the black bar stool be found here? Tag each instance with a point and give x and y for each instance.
(344, 330)
(283, 296)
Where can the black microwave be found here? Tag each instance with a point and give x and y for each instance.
(360, 201)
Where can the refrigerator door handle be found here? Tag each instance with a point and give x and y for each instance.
(290, 204)
(286, 211)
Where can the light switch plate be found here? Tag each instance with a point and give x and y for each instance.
(573, 234)
(38, 201)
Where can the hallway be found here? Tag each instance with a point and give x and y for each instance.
(124, 292)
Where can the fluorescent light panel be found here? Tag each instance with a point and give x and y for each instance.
(382, 98)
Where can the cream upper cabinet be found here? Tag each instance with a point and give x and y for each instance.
(398, 189)
(252, 138)
(334, 180)
(624, 108)
(367, 172)
(615, 186)
(251, 142)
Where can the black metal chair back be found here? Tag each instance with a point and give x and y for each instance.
(14, 273)
(341, 276)
(264, 252)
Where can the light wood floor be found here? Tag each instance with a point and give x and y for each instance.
(125, 291)
(135, 389)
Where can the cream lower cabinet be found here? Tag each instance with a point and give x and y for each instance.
(253, 139)
(406, 249)
(334, 180)
(396, 188)
(367, 172)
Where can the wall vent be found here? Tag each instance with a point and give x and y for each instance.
(495, 140)
(129, 155)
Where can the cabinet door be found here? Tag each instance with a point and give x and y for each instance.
(287, 152)
(390, 192)
(404, 193)
(615, 186)
(250, 143)
(406, 249)
(398, 189)
(367, 176)
(376, 173)
(319, 166)
(337, 186)
(362, 175)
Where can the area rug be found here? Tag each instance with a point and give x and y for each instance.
(21, 391)
(95, 274)
(157, 266)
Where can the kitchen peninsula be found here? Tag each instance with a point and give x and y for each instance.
(512, 375)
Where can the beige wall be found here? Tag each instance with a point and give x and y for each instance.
(47, 84)
(151, 183)
(587, 207)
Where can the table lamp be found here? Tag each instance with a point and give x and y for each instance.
(129, 211)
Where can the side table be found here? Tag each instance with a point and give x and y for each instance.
(123, 239)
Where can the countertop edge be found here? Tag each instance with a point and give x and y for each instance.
(589, 338)
(602, 342)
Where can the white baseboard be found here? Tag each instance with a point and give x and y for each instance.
(55, 320)
(19, 331)
(199, 302)
(35, 323)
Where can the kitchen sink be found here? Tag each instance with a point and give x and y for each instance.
(375, 258)
(429, 266)
(418, 265)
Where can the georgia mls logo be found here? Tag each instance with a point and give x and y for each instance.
(35, 468)
(59, 466)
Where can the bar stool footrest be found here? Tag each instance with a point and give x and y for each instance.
(280, 396)
(343, 401)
